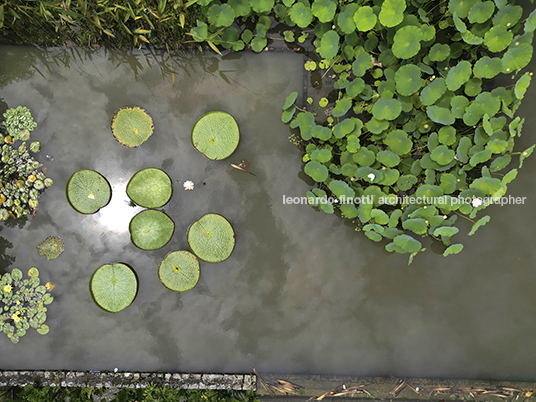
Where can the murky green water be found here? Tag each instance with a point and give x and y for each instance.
(302, 292)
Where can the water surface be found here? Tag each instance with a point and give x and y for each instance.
(302, 291)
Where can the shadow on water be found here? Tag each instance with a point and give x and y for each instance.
(5, 259)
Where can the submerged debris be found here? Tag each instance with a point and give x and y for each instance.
(52, 247)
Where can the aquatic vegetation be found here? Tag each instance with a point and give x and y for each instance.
(51, 248)
(150, 188)
(416, 124)
(151, 229)
(179, 271)
(22, 304)
(88, 191)
(215, 135)
(132, 126)
(211, 238)
(21, 178)
(113, 287)
(188, 185)
(19, 123)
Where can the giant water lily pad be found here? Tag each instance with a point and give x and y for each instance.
(132, 126)
(179, 271)
(215, 135)
(88, 191)
(150, 188)
(52, 247)
(211, 238)
(113, 287)
(151, 229)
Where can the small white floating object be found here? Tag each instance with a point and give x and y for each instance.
(188, 185)
(477, 202)
(116, 370)
(371, 176)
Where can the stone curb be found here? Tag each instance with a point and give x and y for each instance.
(238, 382)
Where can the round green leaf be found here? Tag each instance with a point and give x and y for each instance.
(480, 157)
(487, 67)
(365, 19)
(132, 126)
(341, 189)
(407, 41)
(392, 12)
(150, 188)
(388, 158)
(433, 91)
(345, 19)
(447, 135)
(324, 10)
(211, 238)
(262, 6)
(387, 109)
(241, 8)
(364, 157)
(517, 57)
(406, 182)
(407, 243)
(398, 142)
(179, 271)
(458, 75)
(342, 106)
(151, 229)
(440, 115)
(454, 249)
(408, 79)
(113, 287)
(530, 23)
(88, 191)
(487, 185)
(215, 135)
(461, 7)
(439, 52)
(417, 226)
(481, 12)
(361, 64)
(301, 15)
(220, 15)
(316, 171)
(329, 45)
(498, 38)
(442, 155)
(508, 16)
(291, 98)
(429, 191)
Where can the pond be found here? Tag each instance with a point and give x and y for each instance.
(302, 292)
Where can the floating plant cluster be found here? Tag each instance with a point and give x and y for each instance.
(416, 125)
(21, 178)
(113, 287)
(22, 304)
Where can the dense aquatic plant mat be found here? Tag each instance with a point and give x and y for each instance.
(113, 287)
(418, 134)
(88, 191)
(179, 271)
(215, 135)
(211, 238)
(150, 188)
(151, 229)
(22, 304)
(132, 126)
(51, 248)
(22, 178)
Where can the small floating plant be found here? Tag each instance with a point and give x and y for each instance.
(113, 287)
(88, 191)
(211, 238)
(151, 229)
(132, 126)
(216, 135)
(179, 271)
(150, 188)
(51, 248)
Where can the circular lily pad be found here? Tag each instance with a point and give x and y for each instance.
(179, 271)
(132, 126)
(88, 191)
(215, 135)
(151, 229)
(211, 238)
(113, 287)
(150, 188)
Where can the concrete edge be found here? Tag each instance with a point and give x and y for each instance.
(51, 378)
